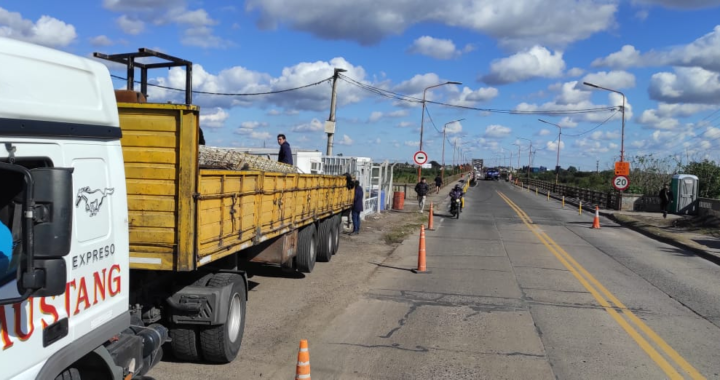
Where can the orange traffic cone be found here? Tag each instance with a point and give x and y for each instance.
(422, 268)
(596, 221)
(302, 370)
(430, 218)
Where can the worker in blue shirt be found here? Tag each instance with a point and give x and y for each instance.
(285, 154)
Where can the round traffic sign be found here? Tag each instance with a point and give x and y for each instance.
(621, 182)
(420, 157)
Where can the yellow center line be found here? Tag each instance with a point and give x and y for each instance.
(664, 346)
(566, 260)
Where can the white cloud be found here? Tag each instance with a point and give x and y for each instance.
(101, 40)
(543, 132)
(253, 124)
(313, 126)
(552, 146)
(468, 97)
(412, 143)
(375, 116)
(253, 134)
(346, 140)
(572, 97)
(453, 128)
(238, 79)
(202, 36)
(196, 24)
(527, 64)
(567, 122)
(651, 119)
(575, 72)
(628, 56)
(405, 124)
(130, 25)
(215, 118)
(604, 135)
(617, 80)
(436, 48)
(515, 24)
(686, 85)
(497, 131)
(47, 31)
(260, 135)
(642, 14)
(704, 52)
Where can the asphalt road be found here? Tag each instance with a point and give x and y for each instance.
(519, 289)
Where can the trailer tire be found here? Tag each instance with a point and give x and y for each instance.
(69, 374)
(184, 343)
(336, 228)
(307, 249)
(326, 240)
(221, 344)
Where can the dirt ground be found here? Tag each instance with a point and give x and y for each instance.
(284, 308)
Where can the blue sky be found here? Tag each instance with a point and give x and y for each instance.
(527, 55)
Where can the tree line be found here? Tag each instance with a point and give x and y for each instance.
(647, 175)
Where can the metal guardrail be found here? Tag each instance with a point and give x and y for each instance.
(610, 200)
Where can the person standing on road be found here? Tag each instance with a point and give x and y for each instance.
(666, 197)
(438, 184)
(357, 208)
(285, 154)
(422, 189)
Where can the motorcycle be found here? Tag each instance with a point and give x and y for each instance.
(455, 208)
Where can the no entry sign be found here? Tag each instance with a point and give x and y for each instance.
(420, 157)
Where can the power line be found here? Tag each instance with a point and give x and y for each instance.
(595, 127)
(410, 99)
(232, 94)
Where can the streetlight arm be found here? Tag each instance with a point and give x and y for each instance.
(603, 88)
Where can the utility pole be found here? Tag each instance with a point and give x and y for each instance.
(597, 167)
(330, 124)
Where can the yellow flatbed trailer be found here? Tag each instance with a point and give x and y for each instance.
(182, 217)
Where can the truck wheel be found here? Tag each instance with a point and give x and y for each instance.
(326, 241)
(307, 249)
(337, 227)
(69, 374)
(184, 343)
(221, 344)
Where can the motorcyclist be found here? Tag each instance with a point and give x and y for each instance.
(457, 193)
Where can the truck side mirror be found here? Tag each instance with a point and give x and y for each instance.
(41, 230)
(52, 230)
(53, 212)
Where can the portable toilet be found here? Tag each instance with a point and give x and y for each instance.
(685, 192)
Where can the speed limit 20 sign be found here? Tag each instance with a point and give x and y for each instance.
(621, 182)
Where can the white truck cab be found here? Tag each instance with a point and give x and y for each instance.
(64, 276)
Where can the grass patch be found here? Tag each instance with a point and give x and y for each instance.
(399, 232)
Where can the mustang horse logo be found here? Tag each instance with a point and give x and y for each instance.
(93, 198)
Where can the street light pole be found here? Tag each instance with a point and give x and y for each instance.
(422, 119)
(529, 157)
(557, 164)
(442, 175)
(622, 138)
